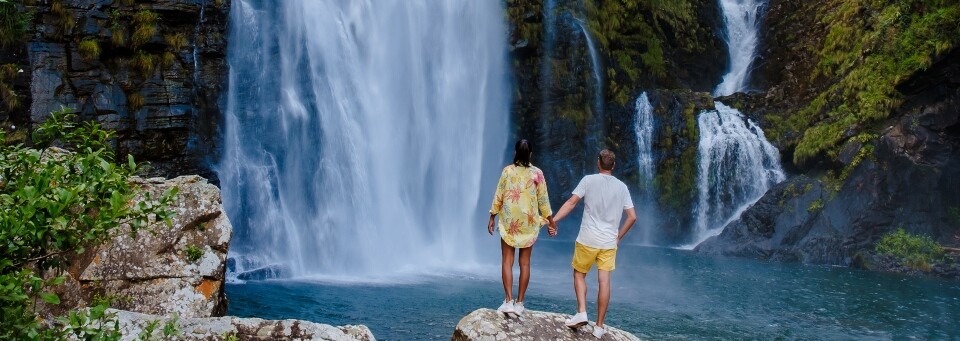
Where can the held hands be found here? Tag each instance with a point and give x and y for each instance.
(552, 228)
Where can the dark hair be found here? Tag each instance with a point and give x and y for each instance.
(607, 159)
(521, 153)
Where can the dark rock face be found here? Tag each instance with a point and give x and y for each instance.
(909, 181)
(161, 96)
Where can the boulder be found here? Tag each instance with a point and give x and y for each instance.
(164, 269)
(136, 326)
(488, 324)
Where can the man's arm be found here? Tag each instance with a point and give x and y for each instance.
(566, 208)
(627, 224)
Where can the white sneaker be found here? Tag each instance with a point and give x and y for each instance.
(598, 331)
(518, 308)
(507, 308)
(577, 321)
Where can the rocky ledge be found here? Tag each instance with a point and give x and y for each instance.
(135, 326)
(488, 324)
(163, 269)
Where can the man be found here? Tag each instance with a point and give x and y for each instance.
(605, 199)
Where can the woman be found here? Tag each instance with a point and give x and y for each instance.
(522, 203)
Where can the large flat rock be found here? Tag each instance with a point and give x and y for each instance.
(488, 324)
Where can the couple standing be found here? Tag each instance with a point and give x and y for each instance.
(523, 206)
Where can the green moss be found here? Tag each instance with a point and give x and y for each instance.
(176, 41)
(918, 252)
(14, 24)
(870, 48)
(815, 206)
(144, 63)
(145, 27)
(8, 74)
(89, 49)
(194, 253)
(631, 33)
(676, 183)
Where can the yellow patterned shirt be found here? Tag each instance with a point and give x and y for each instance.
(522, 204)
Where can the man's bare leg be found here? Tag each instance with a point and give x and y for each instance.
(506, 270)
(603, 295)
(524, 271)
(580, 287)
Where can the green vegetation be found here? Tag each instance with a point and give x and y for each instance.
(176, 41)
(815, 206)
(64, 17)
(145, 22)
(194, 253)
(8, 74)
(14, 23)
(870, 48)
(89, 49)
(54, 205)
(135, 101)
(918, 252)
(144, 63)
(633, 33)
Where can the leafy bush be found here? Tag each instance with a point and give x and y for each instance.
(918, 252)
(53, 205)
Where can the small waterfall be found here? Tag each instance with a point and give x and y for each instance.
(741, 18)
(644, 131)
(737, 165)
(360, 135)
(595, 61)
(196, 46)
(646, 167)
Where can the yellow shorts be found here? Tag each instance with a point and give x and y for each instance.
(584, 257)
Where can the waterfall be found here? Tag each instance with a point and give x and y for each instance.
(741, 18)
(644, 132)
(595, 63)
(646, 167)
(357, 132)
(736, 167)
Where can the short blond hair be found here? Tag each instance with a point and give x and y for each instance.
(607, 159)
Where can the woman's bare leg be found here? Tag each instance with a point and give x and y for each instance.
(506, 269)
(524, 271)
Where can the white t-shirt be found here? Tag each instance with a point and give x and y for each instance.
(604, 198)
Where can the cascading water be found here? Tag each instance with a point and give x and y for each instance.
(357, 131)
(737, 164)
(736, 167)
(644, 132)
(646, 167)
(595, 63)
(741, 18)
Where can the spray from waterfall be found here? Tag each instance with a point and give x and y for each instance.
(357, 133)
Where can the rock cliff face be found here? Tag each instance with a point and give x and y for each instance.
(488, 324)
(165, 270)
(152, 71)
(902, 173)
